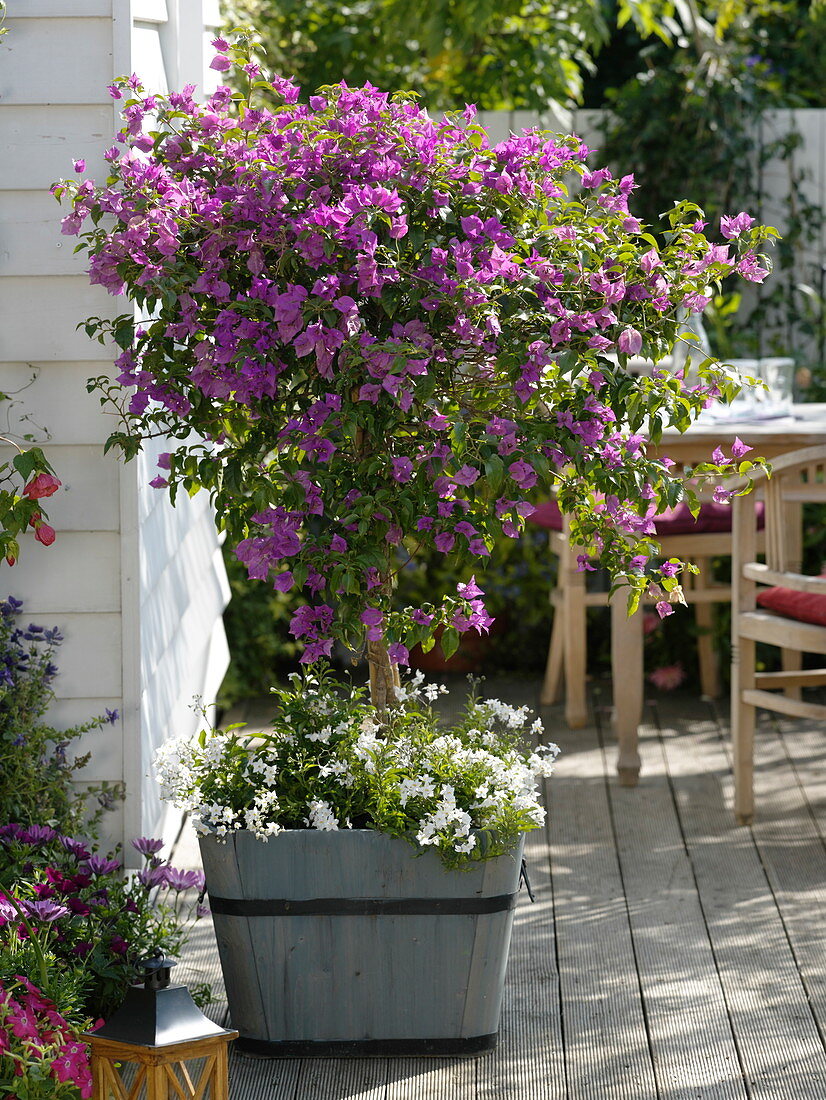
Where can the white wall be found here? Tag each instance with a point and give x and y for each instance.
(136, 587)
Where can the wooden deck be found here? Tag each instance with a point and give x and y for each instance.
(669, 955)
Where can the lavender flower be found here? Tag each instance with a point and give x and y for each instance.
(151, 877)
(74, 847)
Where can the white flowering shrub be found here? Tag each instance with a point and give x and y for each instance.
(331, 762)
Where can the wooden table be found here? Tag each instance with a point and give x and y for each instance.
(806, 427)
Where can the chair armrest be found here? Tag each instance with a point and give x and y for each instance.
(799, 582)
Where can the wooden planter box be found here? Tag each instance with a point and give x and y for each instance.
(349, 944)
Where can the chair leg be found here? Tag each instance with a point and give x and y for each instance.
(627, 681)
(706, 653)
(742, 730)
(552, 684)
(574, 635)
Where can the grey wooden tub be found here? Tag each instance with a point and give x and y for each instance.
(349, 944)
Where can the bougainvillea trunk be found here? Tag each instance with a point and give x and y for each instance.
(384, 676)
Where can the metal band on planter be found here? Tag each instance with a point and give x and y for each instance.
(371, 1048)
(360, 907)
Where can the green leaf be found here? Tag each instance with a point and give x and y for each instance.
(26, 463)
(449, 641)
(124, 333)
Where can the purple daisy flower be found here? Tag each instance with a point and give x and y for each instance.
(100, 865)
(184, 880)
(44, 910)
(147, 845)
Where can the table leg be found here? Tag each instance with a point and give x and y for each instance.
(627, 676)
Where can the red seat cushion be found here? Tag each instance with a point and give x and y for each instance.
(673, 521)
(805, 607)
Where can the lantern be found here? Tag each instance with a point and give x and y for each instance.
(159, 1045)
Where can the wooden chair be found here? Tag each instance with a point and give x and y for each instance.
(789, 614)
(680, 536)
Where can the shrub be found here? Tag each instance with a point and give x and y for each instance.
(36, 770)
(41, 1056)
(367, 327)
(76, 903)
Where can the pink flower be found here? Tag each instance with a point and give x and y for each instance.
(220, 63)
(44, 534)
(398, 653)
(469, 590)
(664, 609)
(732, 227)
(630, 341)
(739, 448)
(44, 485)
(523, 474)
(372, 619)
(650, 622)
(667, 677)
(402, 469)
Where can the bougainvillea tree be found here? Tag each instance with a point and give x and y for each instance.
(368, 331)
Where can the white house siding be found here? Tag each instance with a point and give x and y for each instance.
(136, 586)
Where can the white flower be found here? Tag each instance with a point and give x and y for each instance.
(322, 816)
(321, 735)
(417, 787)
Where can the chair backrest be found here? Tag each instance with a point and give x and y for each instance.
(796, 478)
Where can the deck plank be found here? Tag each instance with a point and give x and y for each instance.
(606, 1042)
(694, 1049)
(781, 1052)
(791, 847)
(432, 1079)
(342, 1079)
(529, 1060)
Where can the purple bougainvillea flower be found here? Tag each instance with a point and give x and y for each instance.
(362, 392)
(630, 341)
(469, 590)
(398, 653)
